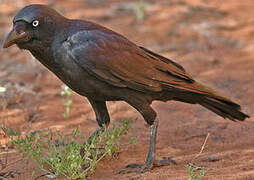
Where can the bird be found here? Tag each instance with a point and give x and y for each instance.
(103, 65)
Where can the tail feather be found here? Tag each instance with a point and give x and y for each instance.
(199, 94)
(224, 108)
(217, 103)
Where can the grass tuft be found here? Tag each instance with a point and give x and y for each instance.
(67, 158)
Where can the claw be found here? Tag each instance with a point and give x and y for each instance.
(141, 168)
(138, 168)
(134, 165)
(164, 162)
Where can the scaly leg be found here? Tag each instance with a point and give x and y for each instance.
(150, 160)
(102, 116)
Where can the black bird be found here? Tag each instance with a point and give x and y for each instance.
(105, 66)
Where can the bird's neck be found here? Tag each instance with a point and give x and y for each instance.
(40, 52)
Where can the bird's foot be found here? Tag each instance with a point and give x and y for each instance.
(141, 168)
(165, 161)
(138, 168)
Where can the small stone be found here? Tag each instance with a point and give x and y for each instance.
(213, 158)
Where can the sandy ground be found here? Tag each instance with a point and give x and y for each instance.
(212, 39)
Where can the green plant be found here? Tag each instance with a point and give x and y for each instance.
(67, 102)
(139, 10)
(70, 159)
(195, 172)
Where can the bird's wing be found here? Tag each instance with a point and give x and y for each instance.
(114, 59)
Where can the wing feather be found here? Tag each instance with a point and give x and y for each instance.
(116, 60)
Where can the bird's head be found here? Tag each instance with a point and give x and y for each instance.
(33, 25)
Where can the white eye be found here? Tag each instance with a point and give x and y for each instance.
(35, 23)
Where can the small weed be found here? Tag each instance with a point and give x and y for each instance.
(139, 10)
(67, 102)
(133, 140)
(71, 160)
(196, 173)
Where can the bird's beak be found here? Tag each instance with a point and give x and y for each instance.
(13, 37)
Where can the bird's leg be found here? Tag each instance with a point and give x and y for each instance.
(151, 118)
(150, 160)
(102, 117)
(95, 133)
(152, 147)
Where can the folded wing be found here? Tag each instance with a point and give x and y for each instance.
(112, 58)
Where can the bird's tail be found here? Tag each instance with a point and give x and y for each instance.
(224, 108)
(220, 105)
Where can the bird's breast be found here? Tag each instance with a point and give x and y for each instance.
(66, 69)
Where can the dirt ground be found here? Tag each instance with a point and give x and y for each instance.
(212, 39)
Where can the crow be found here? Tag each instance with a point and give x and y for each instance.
(102, 65)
